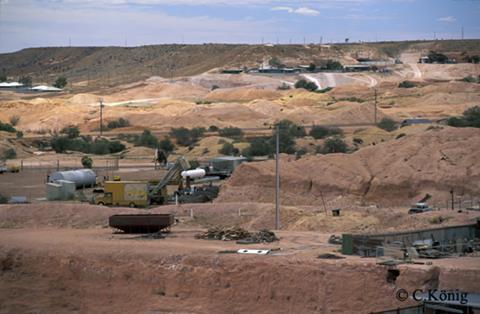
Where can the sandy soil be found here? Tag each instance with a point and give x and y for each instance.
(388, 173)
(94, 270)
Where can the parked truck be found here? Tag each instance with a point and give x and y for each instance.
(124, 193)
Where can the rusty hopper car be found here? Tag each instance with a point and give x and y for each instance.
(141, 223)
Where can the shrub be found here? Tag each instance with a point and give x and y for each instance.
(186, 137)
(387, 124)
(352, 99)
(9, 154)
(470, 118)
(318, 132)
(357, 141)
(7, 127)
(14, 120)
(300, 152)
(231, 132)
(311, 67)
(213, 128)
(259, 147)
(435, 57)
(471, 79)
(229, 150)
(146, 139)
(166, 145)
(400, 136)
(3, 199)
(120, 123)
(406, 84)
(333, 65)
(71, 131)
(84, 144)
(60, 82)
(3, 78)
(19, 134)
(214, 87)
(87, 162)
(334, 145)
(310, 86)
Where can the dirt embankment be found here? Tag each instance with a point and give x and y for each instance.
(119, 282)
(392, 173)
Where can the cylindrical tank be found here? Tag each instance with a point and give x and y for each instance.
(81, 177)
(194, 174)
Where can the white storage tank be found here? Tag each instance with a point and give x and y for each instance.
(193, 174)
(81, 177)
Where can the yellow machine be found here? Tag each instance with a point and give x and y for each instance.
(124, 193)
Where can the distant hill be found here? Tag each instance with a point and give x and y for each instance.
(109, 66)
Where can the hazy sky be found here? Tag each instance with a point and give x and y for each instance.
(38, 23)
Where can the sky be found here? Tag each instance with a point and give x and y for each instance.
(46, 23)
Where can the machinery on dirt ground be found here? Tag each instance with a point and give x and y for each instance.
(421, 206)
(143, 194)
(124, 193)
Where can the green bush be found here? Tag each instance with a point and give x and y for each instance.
(19, 134)
(87, 162)
(9, 154)
(259, 147)
(229, 150)
(3, 199)
(166, 145)
(7, 127)
(85, 145)
(334, 145)
(213, 128)
(333, 65)
(318, 132)
(406, 84)
(435, 57)
(470, 118)
(310, 86)
(471, 79)
(387, 124)
(231, 132)
(120, 123)
(186, 137)
(60, 82)
(146, 139)
(71, 131)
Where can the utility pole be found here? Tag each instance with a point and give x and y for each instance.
(101, 117)
(463, 37)
(375, 109)
(453, 199)
(277, 179)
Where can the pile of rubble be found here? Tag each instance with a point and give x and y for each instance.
(238, 234)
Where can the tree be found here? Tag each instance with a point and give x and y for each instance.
(87, 162)
(435, 57)
(71, 131)
(181, 135)
(147, 139)
(387, 124)
(60, 82)
(259, 147)
(334, 145)
(310, 86)
(166, 145)
(311, 67)
(228, 149)
(276, 63)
